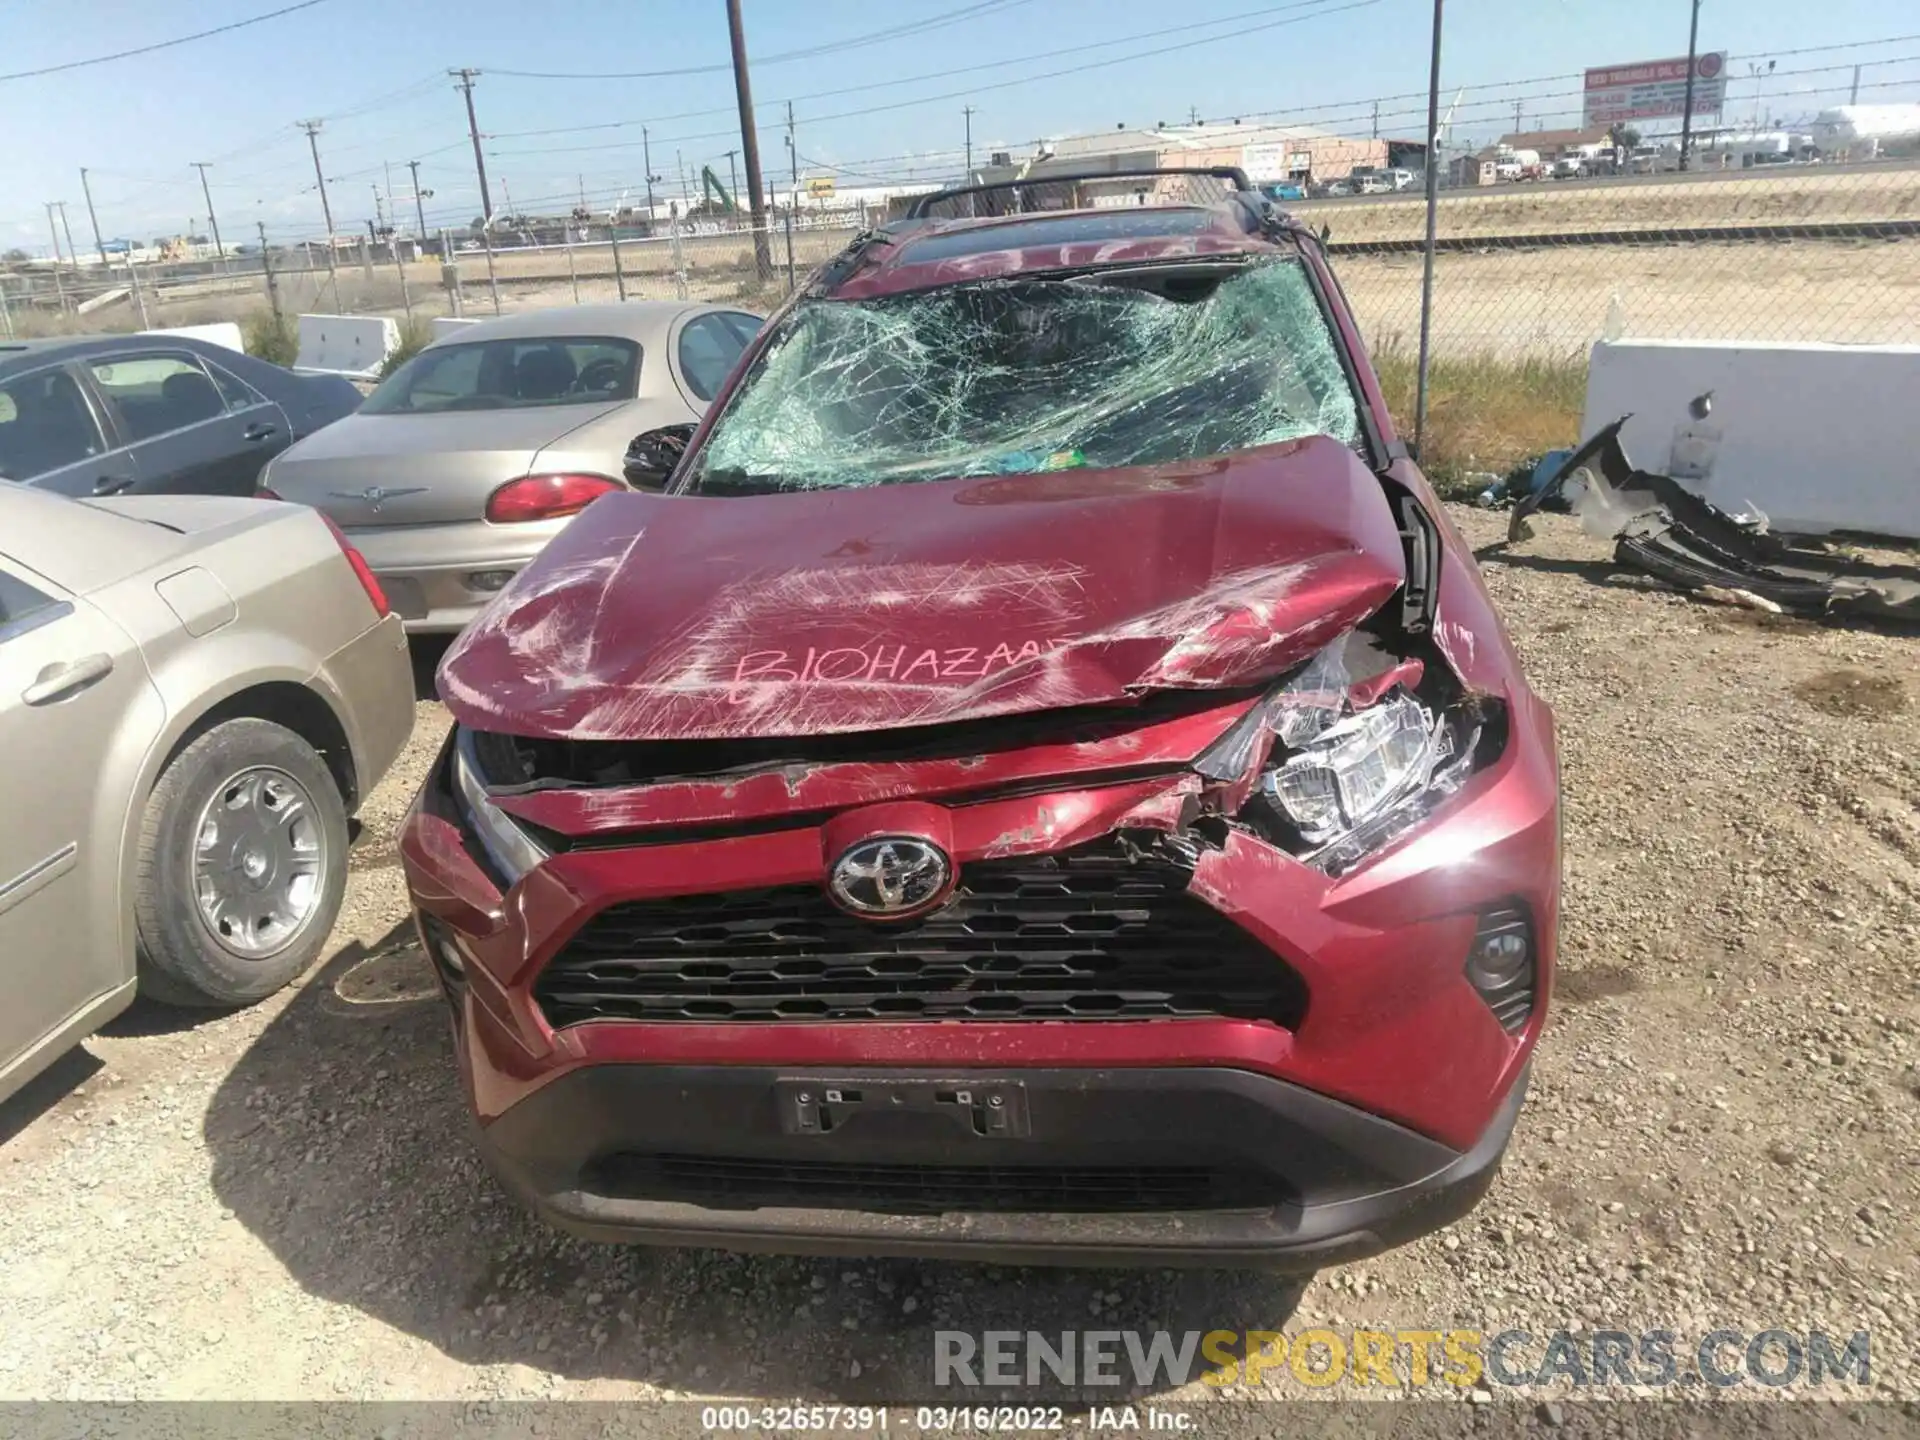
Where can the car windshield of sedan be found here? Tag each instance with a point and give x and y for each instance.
(513, 374)
(1012, 376)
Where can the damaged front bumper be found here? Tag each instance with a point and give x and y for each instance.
(629, 1009)
(1664, 529)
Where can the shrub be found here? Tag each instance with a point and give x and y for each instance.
(270, 337)
(1484, 414)
(416, 333)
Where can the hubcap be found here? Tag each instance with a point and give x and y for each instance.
(259, 862)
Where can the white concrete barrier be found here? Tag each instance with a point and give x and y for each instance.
(352, 345)
(224, 333)
(445, 325)
(1817, 437)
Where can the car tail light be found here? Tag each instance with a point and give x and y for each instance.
(362, 572)
(263, 493)
(546, 497)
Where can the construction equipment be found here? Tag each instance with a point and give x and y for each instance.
(711, 189)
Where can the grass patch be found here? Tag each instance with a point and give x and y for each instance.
(416, 333)
(270, 337)
(1483, 414)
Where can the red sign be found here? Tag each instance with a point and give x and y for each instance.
(1654, 89)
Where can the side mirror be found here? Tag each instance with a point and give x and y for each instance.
(652, 455)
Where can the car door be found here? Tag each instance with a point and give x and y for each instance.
(69, 678)
(53, 435)
(265, 426)
(181, 432)
(705, 352)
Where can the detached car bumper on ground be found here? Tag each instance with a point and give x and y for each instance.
(1141, 850)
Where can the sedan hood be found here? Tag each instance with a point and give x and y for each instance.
(420, 469)
(673, 618)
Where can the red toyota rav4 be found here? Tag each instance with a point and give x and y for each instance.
(1042, 781)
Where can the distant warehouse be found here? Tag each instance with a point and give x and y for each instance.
(1300, 155)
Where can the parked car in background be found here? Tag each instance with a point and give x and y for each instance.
(1402, 179)
(470, 457)
(1047, 783)
(195, 694)
(152, 414)
(1284, 190)
(1374, 182)
(1335, 188)
(1569, 167)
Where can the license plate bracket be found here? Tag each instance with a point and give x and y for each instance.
(985, 1109)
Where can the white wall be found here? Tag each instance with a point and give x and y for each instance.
(1818, 437)
(351, 345)
(222, 332)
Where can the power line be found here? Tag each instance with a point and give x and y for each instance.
(163, 44)
(1314, 14)
(876, 37)
(945, 74)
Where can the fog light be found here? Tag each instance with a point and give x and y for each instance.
(489, 580)
(1500, 965)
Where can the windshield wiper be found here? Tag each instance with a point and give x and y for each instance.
(739, 482)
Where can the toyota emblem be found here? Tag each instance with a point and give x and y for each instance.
(890, 876)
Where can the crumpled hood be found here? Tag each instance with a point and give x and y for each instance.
(675, 618)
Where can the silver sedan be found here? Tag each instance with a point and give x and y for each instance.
(195, 693)
(470, 457)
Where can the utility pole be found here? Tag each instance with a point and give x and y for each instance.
(1686, 117)
(87, 191)
(419, 211)
(1433, 209)
(646, 156)
(793, 198)
(467, 77)
(1519, 108)
(680, 164)
(219, 249)
(67, 230)
(266, 264)
(312, 127)
(506, 197)
(379, 212)
(967, 110)
(1193, 114)
(733, 179)
(749, 142)
(1376, 119)
(54, 230)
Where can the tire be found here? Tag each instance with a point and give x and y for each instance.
(265, 810)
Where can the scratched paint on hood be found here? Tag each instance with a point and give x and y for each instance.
(658, 617)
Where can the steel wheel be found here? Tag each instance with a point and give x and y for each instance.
(259, 862)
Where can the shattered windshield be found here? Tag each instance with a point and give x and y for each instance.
(1021, 375)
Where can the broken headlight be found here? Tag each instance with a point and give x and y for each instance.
(1352, 766)
(1358, 767)
(512, 851)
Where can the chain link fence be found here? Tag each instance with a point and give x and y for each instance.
(1527, 277)
(1543, 269)
(698, 261)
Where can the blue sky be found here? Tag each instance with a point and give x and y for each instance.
(375, 69)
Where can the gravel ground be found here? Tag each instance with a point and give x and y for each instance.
(1723, 1130)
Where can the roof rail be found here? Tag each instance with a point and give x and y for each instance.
(1233, 175)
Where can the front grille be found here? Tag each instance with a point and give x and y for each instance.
(1085, 935)
(733, 1183)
